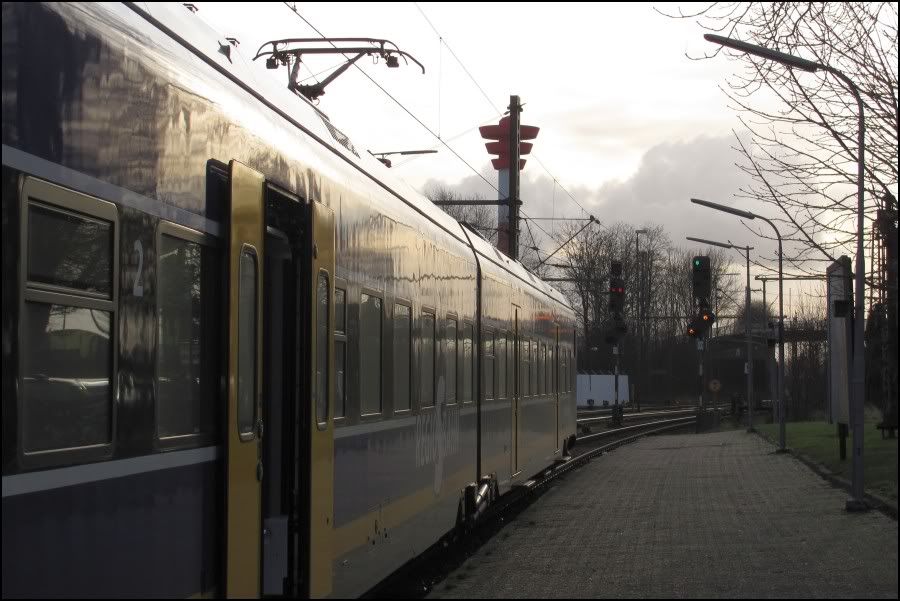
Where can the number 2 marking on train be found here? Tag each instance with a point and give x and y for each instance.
(138, 284)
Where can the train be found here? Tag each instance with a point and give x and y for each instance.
(240, 357)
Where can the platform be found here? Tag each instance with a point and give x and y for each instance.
(699, 515)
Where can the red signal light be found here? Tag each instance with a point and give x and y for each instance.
(500, 133)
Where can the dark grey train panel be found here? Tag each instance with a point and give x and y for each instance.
(145, 534)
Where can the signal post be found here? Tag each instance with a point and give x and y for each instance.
(698, 327)
(509, 148)
(617, 327)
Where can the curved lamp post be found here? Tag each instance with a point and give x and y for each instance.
(856, 502)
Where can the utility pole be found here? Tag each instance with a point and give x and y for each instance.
(747, 328)
(513, 174)
(640, 313)
(615, 350)
(701, 347)
(509, 133)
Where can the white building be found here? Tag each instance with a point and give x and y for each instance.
(597, 390)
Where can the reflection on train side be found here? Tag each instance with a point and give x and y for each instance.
(437, 437)
(66, 387)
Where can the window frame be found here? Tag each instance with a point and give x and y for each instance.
(185, 234)
(488, 334)
(371, 293)
(426, 310)
(322, 424)
(542, 374)
(457, 375)
(340, 337)
(500, 340)
(473, 358)
(250, 251)
(66, 200)
(410, 357)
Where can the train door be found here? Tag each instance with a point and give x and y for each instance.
(243, 459)
(517, 387)
(279, 499)
(321, 402)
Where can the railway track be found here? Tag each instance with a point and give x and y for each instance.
(419, 576)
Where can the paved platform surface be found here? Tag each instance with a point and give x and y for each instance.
(702, 515)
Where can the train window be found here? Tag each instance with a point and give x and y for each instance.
(562, 370)
(510, 366)
(323, 304)
(488, 364)
(246, 367)
(526, 373)
(66, 376)
(340, 310)
(340, 352)
(426, 362)
(465, 392)
(83, 261)
(67, 322)
(450, 359)
(188, 365)
(500, 353)
(535, 368)
(541, 363)
(523, 371)
(559, 366)
(402, 355)
(542, 372)
(370, 318)
(551, 371)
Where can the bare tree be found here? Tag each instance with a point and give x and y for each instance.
(801, 152)
(658, 299)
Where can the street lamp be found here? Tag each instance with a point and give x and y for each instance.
(856, 502)
(780, 386)
(749, 367)
(640, 366)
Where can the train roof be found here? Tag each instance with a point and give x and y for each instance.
(203, 39)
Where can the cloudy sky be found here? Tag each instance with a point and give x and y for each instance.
(630, 126)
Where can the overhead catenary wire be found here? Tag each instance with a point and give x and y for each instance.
(449, 49)
(294, 10)
(443, 40)
(572, 237)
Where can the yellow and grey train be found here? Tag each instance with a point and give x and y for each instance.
(239, 357)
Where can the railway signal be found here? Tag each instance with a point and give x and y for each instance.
(616, 289)
(702, 278)
(694, 328)
(500, 142)
(506, 142)
(701, 323)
